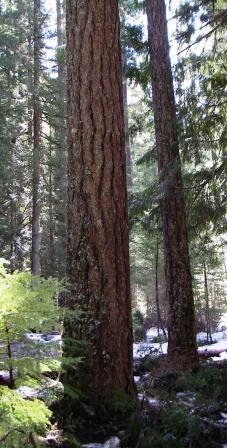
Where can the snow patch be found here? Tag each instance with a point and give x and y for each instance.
(224, 417)
(28, 392)
(43, 338)
(4, 374)
(223, 323)
(153, 402)
(221, 357)
(137, 379)
(216, 337)
(153, 333)
(221, 345)
(142, 349)
(114, 442)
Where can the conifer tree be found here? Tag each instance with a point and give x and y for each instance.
(98, 259)
(182, 342)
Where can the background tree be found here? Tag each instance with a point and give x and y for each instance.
(182, 343)
(36, 209)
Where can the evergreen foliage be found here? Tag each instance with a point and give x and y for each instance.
(21, 420)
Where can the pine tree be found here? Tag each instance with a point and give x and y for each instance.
(182, 342)
(98, 260)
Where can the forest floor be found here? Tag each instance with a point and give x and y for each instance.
(176, 410)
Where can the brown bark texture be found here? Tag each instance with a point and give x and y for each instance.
(36, 209)
(98, 258)
(182, 341)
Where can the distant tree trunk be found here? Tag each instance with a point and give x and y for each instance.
(60, 36)
(60, 172)
(36, 236)
(98, 258)
(159, 319)
(9, 355)
(125, 102)
(51, 216)
(206, 294)
(182, 341)
(127, 141)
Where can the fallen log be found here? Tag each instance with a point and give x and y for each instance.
(211, 352)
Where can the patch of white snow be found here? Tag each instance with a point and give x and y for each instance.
(28, 392)
(114, 442)
(142, 349)
(137, 379)
(42, 338)
(153, 333)
(4, 374)
(223, 323)
(221, 345)
(221, 357)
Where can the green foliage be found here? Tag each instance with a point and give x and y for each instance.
(208, 382)
(122, 405)
(26, 303)
(181, 427)
(20, 418)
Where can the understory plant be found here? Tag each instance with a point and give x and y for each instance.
(28, 304)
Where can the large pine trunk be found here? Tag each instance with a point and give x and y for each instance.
(182, 341)
(98, 258)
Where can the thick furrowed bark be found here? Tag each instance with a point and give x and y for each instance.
(98, 259)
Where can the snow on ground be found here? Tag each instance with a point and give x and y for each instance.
(43, 338)
(114, 442)
(223, 323)
(28, 392)
(221, 357)
(153, 333)
(142, 349)
(216, 337)
(221, 345)
(4, 374)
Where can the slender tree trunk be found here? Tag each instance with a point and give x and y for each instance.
(127, 142)
(9, 354)
(125, 102)
(206, 294)
(59, 23)
(60, 173)
(156, 287)
(36, 236)
(159, 318)
(182, 341)
(51, 216)
(98, 255)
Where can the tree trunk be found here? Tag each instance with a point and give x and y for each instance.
(125, 102)
(51, 216)
(127, 142)
(159, 319)
(206, 295)
(36, 236)
(60, 37)
(182, 341)
(98, 258)
(60, 172)
(10, 358)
